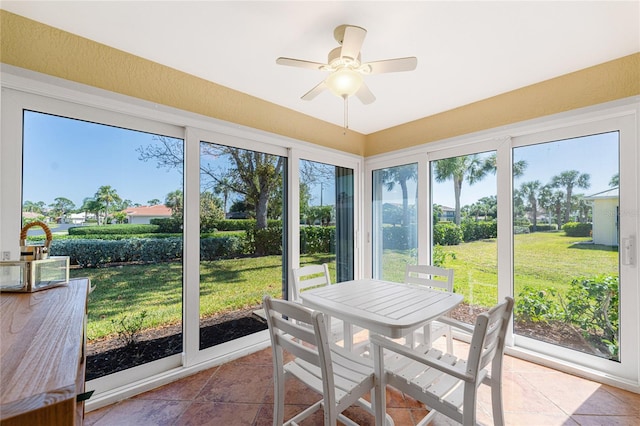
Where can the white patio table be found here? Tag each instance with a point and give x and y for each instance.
(383, 307)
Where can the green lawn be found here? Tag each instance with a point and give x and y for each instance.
(226, 285)
(542, 260)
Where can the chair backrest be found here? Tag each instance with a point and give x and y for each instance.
(309, 276)
(289, 329)
(430, 276)
(487, 342)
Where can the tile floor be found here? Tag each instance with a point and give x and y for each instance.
(241, 393)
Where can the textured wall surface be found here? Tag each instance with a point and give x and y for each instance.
(28, 44)
(601, 83)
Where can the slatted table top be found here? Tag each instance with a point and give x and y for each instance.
(388, 308)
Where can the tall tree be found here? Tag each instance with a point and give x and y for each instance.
(91, 205)
(470, 168)
(531, 191)
(174, 201)
(569, 180)
(61, 206)
(401, 175)
(223, 187)
(253, 174)
(153, 202)
(109, 196)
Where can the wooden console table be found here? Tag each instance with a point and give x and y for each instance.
(42, 355)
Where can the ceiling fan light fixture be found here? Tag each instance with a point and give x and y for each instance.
(344, 82)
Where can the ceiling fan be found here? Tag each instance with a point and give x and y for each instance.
(346, 69)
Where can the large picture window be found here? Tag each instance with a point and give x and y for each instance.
(119, 220)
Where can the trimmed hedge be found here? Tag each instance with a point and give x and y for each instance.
(317, 239)
(545, 227)
(114, 229)
(577, 229)
(482, 230)
(95, 253)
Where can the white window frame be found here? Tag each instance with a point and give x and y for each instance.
(24, 89)
(502, 141)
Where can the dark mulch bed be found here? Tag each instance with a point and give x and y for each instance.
(109, 356)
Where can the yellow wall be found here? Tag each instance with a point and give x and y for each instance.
(28, 44)
(612, 80)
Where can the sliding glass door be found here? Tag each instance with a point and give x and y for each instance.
(394, 221)
(575, 277)
(327, 218)
(464, 227)
(242, 250)
(114, 214)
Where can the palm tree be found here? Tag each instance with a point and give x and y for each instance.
(174, 202)
(91, 205)
(471, 168)
(107, 195)
(153, 202)
(568, 180)
(615, 180)
(401, 175)
(531, 191)
(223, 187)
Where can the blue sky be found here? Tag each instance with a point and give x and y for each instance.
(596, 155)
(72, 159)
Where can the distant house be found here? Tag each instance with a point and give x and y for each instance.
(144, 214)
(606, 214)
(76, 218)
(448, 214)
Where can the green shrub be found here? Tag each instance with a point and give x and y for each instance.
(577, 229)
(447, 234)
(593, 305)
(481, 230)
(170, 225)
(317, 239)
(123, 229)
(537, 305)
(225, 247)
(545, 227)
(590, 305)
(243, 224)
(439, 255)
(263, 242)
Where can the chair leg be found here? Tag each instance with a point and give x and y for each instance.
(496, 401)
(379, 395)
(449, 338)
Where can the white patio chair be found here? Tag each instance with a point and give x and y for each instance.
(311, 276)
(444, 383)
(341, 377)
(434, 277)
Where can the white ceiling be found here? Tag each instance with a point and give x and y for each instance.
(467, 51)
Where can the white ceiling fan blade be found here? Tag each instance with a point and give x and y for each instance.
(315, 91)
(365, 95)
(392, 65)
(352, 41)
(299, 63)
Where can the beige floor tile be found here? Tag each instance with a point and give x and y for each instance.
(136, 412)
(218, 413)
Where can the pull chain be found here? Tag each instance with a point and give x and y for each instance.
(346, 114)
